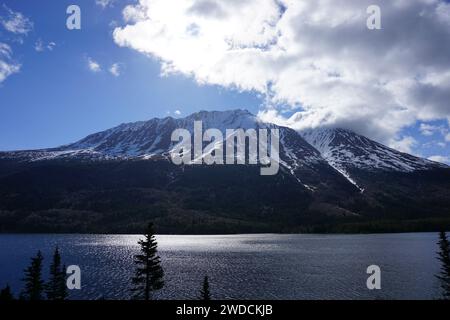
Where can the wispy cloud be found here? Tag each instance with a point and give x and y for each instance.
(115, 69)
(5, 50)
(104, 3)
(7, 65)
(442, 159)
(427, 129)
(93, 65)
(40, 46)
(15, 22)
(51, 45)
(404, 144)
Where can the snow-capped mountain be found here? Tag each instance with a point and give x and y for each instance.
(346, 151)
(341, 149)
(152, 139)
(147, 139)
(115, 180)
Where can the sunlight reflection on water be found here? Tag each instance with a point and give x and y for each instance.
(242, 266)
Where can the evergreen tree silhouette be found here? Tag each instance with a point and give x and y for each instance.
(6, 294)
(149, 273)
(205, 294)
(34, 285)
(56, 286)
(444, 257)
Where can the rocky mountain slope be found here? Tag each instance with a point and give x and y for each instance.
(113, 181)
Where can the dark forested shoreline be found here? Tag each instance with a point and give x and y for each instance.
(367, 227)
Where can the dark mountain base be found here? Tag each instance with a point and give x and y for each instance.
(49, 222)
(382, 226)
(122, 196)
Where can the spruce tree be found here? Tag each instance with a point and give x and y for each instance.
(444, 257)
(149, 273)
(205, 293)
(6, 294)
(56, 287)
(34, 285)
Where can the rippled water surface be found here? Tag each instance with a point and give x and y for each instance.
(242, 266)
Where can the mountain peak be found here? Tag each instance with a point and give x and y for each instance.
(222, 120)
(225, 113)
(346, 150)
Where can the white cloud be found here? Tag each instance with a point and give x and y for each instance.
(15, 22)
(113, 24)
(442, 159)
(427, 129)
(7, 65)
(51, 45)
(40, 46)
(405, 144)
(447, 137)
(104, 3)
(93, 65)
(177, 112)
(317, 57)
(5, 50)
(134, 13)
(115, 69)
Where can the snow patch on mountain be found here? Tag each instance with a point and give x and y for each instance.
(345, 150)
(147, 139)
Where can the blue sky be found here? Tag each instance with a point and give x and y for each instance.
(56, 98)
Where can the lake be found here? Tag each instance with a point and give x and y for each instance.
(264, 266)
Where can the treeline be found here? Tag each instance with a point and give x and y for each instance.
(173, 220)
(379, 226)
(35, 288)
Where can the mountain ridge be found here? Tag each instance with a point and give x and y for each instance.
(116, 180)
(342, 149)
